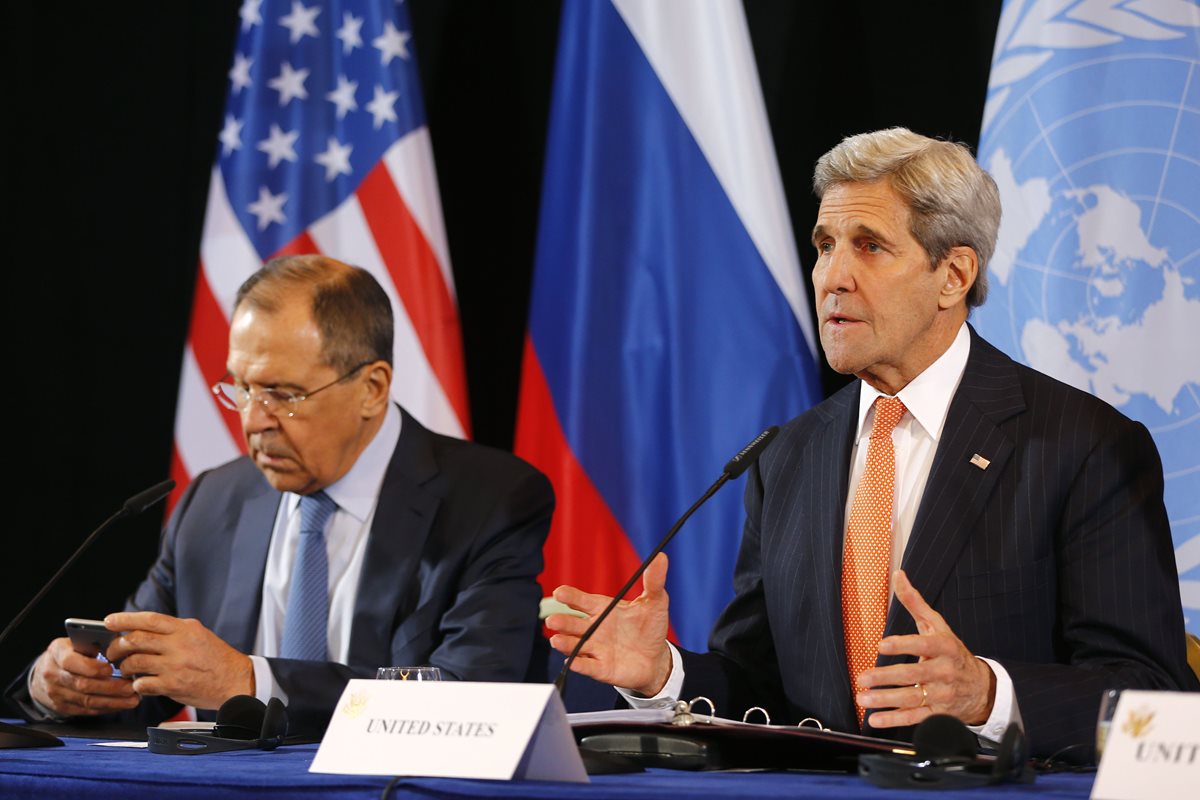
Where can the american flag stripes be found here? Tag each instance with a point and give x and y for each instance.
(324, 149)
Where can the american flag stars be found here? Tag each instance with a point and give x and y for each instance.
(239, 76)
(318, 91)
(251, 13)
(279, 146)
(268, 208)
(343, 96)
(301, 22)
(231, 135)
(335, 159)
(289, 83)
(350, 34)
(391, 44)
(383, 106)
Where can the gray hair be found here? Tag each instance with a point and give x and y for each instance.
(349, 307)
(952, 201)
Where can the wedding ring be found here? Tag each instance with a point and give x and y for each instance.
(924, 695)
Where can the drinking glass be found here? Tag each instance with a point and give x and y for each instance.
(408, 674)
(1108, 708)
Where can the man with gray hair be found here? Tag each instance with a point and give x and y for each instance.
(1018, 522)
(349, 538)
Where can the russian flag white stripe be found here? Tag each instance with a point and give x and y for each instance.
(410, 164)
(720, 100)
(201, 437)
(344, 235)
(226, 254)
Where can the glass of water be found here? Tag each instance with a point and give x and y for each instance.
(1108, 709)
(408, 674)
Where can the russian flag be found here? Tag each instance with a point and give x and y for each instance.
(669, 322)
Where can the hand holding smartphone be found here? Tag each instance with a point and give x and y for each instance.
(89, 637)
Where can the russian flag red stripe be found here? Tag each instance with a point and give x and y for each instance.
(581, 514)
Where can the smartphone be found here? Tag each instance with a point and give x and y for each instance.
(89, 637)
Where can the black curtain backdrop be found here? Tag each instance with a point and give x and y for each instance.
(112, 115)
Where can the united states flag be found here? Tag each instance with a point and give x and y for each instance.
(324, 149)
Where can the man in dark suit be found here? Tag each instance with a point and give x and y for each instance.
(1021, 528)
(426, 548)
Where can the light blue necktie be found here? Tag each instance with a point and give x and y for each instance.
(306, 626)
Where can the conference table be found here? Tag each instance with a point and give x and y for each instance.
(84, 768)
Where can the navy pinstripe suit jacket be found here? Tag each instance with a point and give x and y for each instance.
(1056, 560)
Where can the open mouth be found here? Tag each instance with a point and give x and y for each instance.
(839, 320)
(264, 457)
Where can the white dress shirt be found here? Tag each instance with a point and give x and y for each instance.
(927, 400)
(356, 494)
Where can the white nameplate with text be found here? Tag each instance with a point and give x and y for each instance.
(1152, 748)
(450, 729)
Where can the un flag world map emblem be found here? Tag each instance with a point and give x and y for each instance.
(1092, 132)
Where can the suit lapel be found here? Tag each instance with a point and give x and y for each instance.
(403, 519)
(237, 621)
(957, 489)
(831, 446)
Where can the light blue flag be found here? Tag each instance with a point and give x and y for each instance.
(1092, 131)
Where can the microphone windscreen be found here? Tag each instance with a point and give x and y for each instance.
(241, 717)
(148, 497)
(944, 736)
(750, 453)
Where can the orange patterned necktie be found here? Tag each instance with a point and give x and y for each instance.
(866, 560)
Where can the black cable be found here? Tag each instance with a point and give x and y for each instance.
(390, 785)
(1054, 762)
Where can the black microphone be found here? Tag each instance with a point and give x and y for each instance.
(13, 736)
(942, 736)
(144, 499)
(243, 723)
(736, 466)
(948, 758)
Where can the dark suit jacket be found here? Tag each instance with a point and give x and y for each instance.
(1056, 561)
(449, 577)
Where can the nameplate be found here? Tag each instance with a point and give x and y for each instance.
(1152, 749)
(450, 729)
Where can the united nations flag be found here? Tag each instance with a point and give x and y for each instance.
(1092, 131)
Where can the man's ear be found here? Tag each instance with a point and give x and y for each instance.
(961, 266)
(377, 389)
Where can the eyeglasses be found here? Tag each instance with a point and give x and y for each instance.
(236, 397)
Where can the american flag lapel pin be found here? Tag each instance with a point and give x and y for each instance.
(980, 461)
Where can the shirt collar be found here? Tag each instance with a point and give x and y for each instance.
(356, 491)
(927, 396)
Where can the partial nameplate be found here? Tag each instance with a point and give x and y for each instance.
(1152, 748)
(450, 729)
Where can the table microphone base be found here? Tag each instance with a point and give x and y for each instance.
(13, 736)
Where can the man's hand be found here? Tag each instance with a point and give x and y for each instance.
(630, 648)
(178, 658)
(947, 678)
(71, 684)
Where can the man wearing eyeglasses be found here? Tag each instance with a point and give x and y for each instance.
(349, 538)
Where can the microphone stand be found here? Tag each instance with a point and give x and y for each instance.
(560, 683)
(736, 466)
(12, 736)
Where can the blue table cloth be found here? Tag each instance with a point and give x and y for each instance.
(83, 769)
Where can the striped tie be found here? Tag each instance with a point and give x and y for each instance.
(866, 561)
(306, 626)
